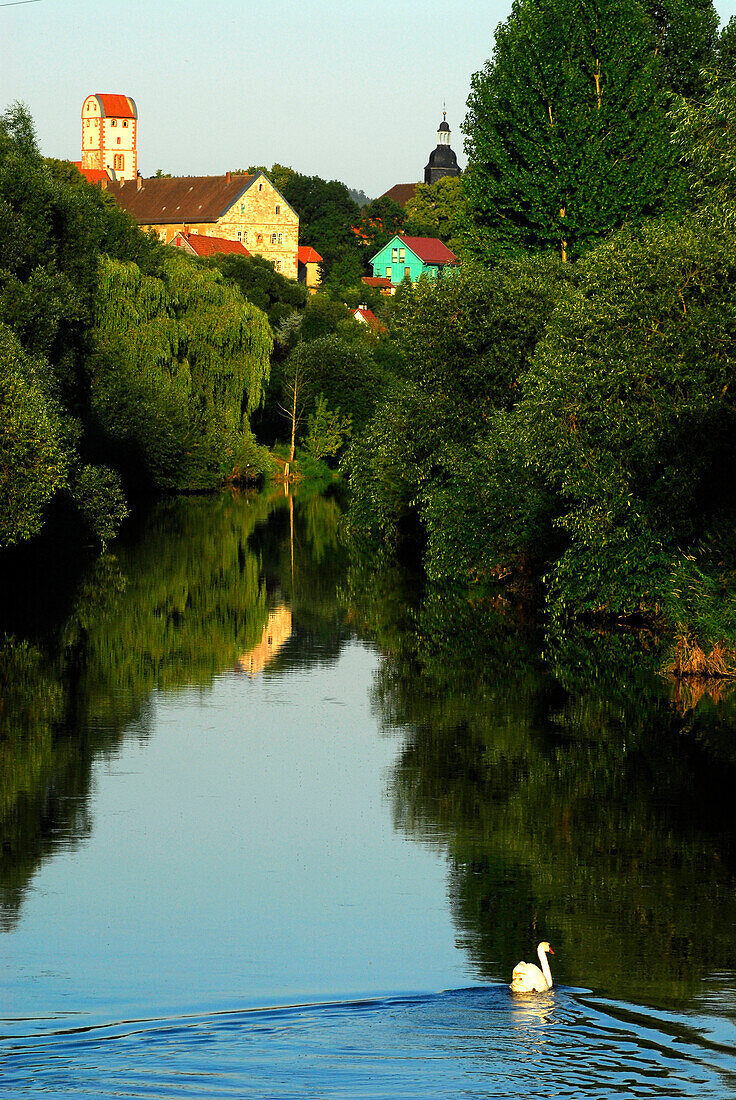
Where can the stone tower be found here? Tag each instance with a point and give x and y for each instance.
(110, 135)
(442, 160)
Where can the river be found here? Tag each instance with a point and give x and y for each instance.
(278, 823)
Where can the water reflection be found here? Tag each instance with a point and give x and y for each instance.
(575, 795)
(575, 799)
(188, 596)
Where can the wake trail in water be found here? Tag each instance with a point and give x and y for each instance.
(475, 1042)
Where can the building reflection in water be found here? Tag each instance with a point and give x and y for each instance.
(276, 633)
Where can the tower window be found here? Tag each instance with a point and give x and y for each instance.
(281, 238)
(119, 161)
(113, 122)
(125, 122)
(273, 238)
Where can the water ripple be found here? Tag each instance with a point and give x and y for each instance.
(476, 1042)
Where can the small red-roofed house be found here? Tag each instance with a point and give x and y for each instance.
(381, 284)
(194, 244)
(367, 317)
(309, 261)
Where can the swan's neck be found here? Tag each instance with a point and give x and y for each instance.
(545, 967)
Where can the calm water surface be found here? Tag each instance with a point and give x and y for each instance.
(275, 823)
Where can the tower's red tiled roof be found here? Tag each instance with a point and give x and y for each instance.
(192, 199)
(210, 246)
(308, 255)
(117, 106)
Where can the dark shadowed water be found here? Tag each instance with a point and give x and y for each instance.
(276, 824)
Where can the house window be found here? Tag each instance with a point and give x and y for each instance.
(278, 265)
(407, 272)
(260, 186)
(273, 238)
(278, 209)
(242, 208)
(240, 235)
(281, 238)
(394, 255)
(245, 235)
(259, 238)
(388, 272)
(402, 256)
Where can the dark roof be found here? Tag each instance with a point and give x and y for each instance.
(159, 201)
(430, 250)
(400, 193)
(211, 246)
(443, 157)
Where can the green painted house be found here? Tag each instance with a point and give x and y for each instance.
(412, 256)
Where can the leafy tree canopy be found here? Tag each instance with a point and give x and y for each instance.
(567, 129)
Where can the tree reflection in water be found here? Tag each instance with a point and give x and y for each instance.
(577, 796)
(181, 602)
(575, 801)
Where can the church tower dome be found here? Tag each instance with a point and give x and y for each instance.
(442, 160)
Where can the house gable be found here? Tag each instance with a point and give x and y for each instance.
(245, 208)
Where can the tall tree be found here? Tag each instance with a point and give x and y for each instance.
(567, 130)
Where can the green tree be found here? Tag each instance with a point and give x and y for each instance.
(36, 442)
(180, 361)
(628, 413)
(439, 210)
(567, 130)
(328, 430)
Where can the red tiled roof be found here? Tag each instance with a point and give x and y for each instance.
(93, 175)
(117, 106)
(429, 249)
(376, 281)
(162, 201)
(308, 255)
(362, 313)
(211, 246)
(400, 193)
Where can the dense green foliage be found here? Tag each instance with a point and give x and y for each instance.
(180, 360)
(116, 358)
(573, 424)
(567, 130)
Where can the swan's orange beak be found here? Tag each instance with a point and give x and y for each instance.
(551, 951)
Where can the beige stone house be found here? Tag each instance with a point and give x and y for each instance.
(245, 208)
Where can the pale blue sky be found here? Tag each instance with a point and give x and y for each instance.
(344, 90)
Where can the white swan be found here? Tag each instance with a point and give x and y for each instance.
(528, 978)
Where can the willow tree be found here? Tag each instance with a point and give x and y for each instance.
(181, 360)
(567, 133)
